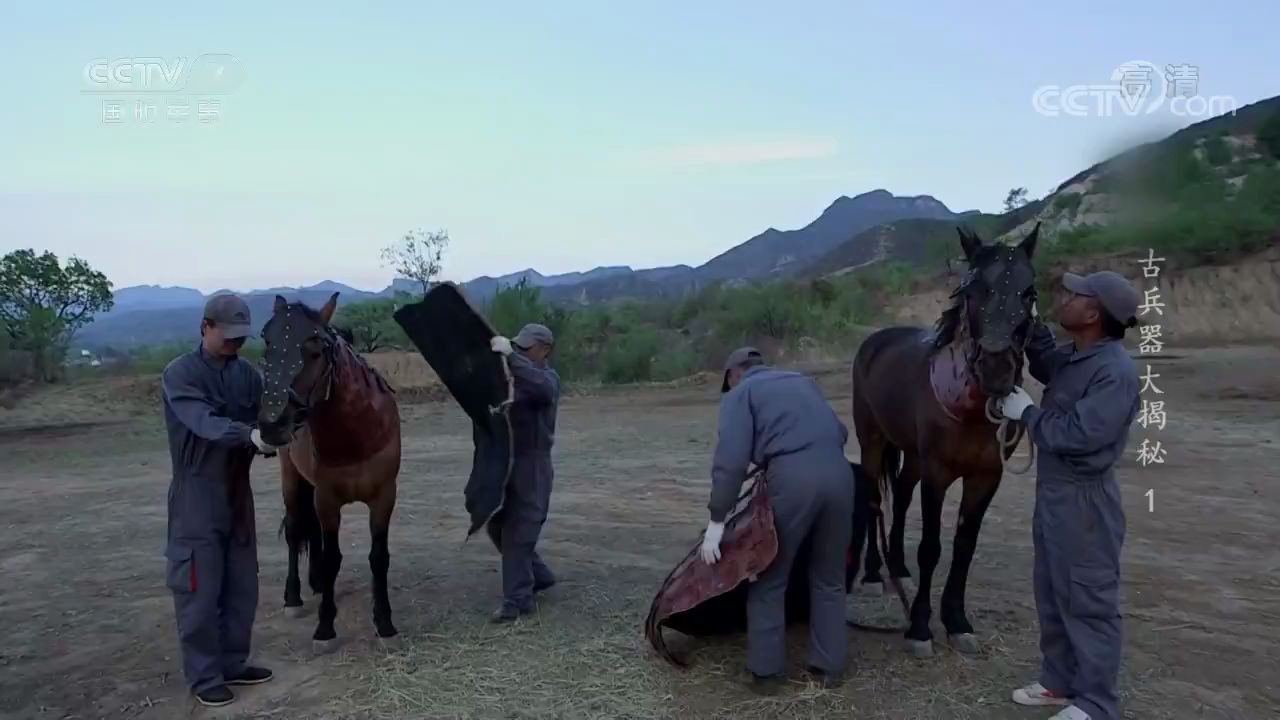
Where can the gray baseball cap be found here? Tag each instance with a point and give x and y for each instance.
(737, 358)
(1114, 291)
(230, 313)
(534, 333)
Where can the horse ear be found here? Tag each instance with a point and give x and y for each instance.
(970, 243)
(281, 304)
(326, 312)
(1028, 243)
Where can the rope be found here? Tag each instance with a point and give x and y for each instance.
(1008, 446)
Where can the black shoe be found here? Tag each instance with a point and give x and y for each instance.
(251, 676)
(508, 613)
(216, 696)
(823, 679)
(540, 585)
(765, 684)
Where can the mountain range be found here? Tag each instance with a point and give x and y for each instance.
(153, 314)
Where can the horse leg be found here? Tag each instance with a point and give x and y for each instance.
(978, 492)
(380, 558)
(902, 494)
(302, 533)
(329, 511)
(933, 491)
(873, 444)
(315, 541)
(289, 487)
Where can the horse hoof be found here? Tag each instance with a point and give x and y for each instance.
(391, 643)
(324, 647)
(874, 589)
(965, 643)
(295, 611)
(908, 586)
(921, 649)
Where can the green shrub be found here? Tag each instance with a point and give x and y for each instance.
(1217, 152)
(630, 358)
(1067, 202)
(1269, 135)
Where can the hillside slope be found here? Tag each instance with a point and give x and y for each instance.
(775, 251)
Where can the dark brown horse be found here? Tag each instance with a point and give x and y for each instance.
(341, 423)
(924, 410)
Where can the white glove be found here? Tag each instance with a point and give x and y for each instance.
(262, 445)
(711, 542)
(1015, 403)
(499, 344)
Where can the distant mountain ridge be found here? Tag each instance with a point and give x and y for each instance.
(153, 314)
(782, 251)
(772, 252)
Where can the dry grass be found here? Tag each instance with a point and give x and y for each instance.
(577, 658)
(404, 370)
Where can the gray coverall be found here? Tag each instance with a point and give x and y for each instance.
(528, 496)
(212, 556)
(1090, 400)
(781, 421)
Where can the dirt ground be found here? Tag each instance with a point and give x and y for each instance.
(87, 630)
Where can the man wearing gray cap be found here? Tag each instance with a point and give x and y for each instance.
(780, 421)
(1091, 397)
(211, 400)
(516, 527)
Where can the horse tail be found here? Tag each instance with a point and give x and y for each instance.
(302, 530)
(891, 469)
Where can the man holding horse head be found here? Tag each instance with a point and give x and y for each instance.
(515, 528)
(1091, 397)
(210, 407)
(780, 421)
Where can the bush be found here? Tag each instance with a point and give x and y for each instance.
(630, 359)
(1067, 202)
(1217, 152)
(1269, 135)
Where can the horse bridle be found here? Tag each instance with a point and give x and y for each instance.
(302, 408)
(991, 409)
(971, 358)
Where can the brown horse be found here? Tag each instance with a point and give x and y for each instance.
(924, 402)
(341, 424)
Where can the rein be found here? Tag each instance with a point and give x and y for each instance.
(1008, 446)
(301, 418)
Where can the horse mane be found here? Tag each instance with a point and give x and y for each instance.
(948, 325)
(344, 351)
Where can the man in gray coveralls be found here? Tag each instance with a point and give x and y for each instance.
(210, 405)
(1091, 397)
(780, 421)
(515, 529)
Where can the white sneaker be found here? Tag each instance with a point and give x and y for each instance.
(1071, 713)
(1036, 695)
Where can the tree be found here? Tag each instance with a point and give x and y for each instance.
(417, 256)
(1016, 198)
(43, 304)
(371, 324)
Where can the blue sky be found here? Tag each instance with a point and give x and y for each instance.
(559, 135)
